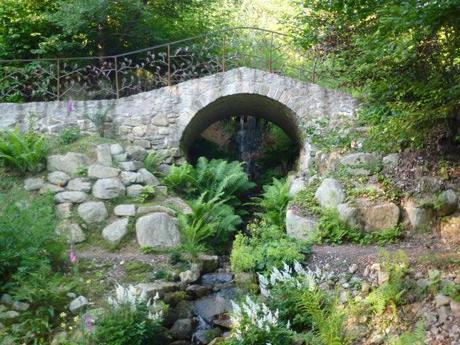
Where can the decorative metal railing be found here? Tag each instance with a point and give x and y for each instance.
(162, 65)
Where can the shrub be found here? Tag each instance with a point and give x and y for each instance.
(214, 177)
(258, 324)
(28, 239)
(210, 222)
(69, 135)
(24, 152)
(274, 201)
(131, 321)
(267, 248)
(152, 162)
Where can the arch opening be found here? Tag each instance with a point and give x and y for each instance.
(252, 128)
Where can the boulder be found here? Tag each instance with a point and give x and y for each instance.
(122, 157)
(147, 178)
(211, 306)
(157, 230)
(298, 227)
(20, 306)
(134, 190)
(209, 263)
(391, 161)
(447, 203)
(149, 290)
(206, 336)
(450, 229)
(296, 186)
(129, 177)
(428, 185)
(361, 159)
(71, 163)
(108, 188)
(350, 215)
(33, 183)
(72, 197)
(115, 232)
(131, 165)
(97, 171)
(136, 152)
(77, 304)
(141, 210)
(182, 329)
(9, 315)
(191, 275)
(104, 155)
(421, 219)
(51, 188)
(116, 149)
(71, 231)
(330, 193)
(93, 212)
(79, 184)
(378, 216)
(64, 210)
(327, 161)
(178, 204)
(125, 210)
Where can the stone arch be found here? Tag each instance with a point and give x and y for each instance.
(241, 104)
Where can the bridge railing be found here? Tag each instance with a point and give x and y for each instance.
(115, 76)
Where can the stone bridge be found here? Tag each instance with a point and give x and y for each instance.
(170, 118)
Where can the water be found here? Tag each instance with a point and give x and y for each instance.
(249, 138)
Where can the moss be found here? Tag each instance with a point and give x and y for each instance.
(137, 271)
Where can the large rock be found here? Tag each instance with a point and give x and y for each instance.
(210, 307)
(296, 186)
(58, 178)
(125, 210)
(79, 184)
(104, 155)
(378, 216)
(131, 165)
(64, 210)
(428, 185)
(149, 290)
(447, 203)
(51, 188)
(147, 178)
(136, 153)
(421, 219)
(363, 159)
(34, 183)
(72, 197)
(108, 188)
(179, 205)
(78, 303)
(93, 212)
(450, 229)
(350, 215)
(157, 230)
(129, 177)
(330, 193)
(391, 161)
(298, 227)
(71, 232)
(191, 275)
(72, 163)
(115, 232)
(116, 149)
(327, 161)
(96, 171)
(134, 190)
(182, 329)
(141, 210)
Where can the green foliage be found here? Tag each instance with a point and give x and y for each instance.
(126, 325)
(403, 57)
(147, 193)
(28, 239)
(24, 152)
(414, 337)
(268, 247)
(274, 201)
(152, 162)
(328, 321)
(211, 224)
(214, 177)
(391, 293)
(69, 135)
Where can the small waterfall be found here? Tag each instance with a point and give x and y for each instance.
(249, 138)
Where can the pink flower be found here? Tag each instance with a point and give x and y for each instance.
(73, 256)
(69, 106)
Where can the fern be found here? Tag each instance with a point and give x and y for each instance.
(327, 320)
(274, 201)
(23, 152)
(415, 337)
(215, 177)
(152, 162)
